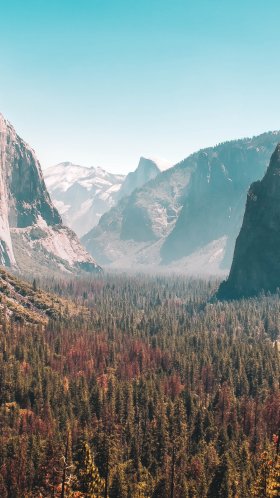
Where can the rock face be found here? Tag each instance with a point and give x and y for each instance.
(256, 261)
(188, 217)
(146, 170)
(31, 232)
(81, 194)
(214, 205)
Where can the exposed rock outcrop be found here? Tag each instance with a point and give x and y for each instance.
(32, 236)
(146, 170)
(256, 261)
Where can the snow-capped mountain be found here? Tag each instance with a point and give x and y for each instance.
(188, 217)
(32, 236)
(82, 195)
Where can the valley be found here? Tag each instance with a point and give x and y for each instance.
(139, 249)
(132, 384)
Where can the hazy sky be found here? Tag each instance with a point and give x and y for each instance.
(101, 82)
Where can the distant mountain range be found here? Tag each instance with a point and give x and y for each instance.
(184, 219)
(32, 236)
(188, 217)
(82, 195)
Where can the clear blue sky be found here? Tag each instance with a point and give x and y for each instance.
(101, 82)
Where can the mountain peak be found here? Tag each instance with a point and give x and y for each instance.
(146, 170)
(147, 164)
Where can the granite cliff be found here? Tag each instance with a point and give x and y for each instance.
(256, 260)
(32, 236)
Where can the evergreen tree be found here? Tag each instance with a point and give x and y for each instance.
(261, 484)
(222, 485)
(88, 480)
(273, 484)
(118, 488)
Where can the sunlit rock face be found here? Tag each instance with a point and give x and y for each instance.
(256, 261)
(31, 230)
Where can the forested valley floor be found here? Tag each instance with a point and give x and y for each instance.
(153, 390)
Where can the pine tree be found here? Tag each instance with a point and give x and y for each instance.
(222, 483)
(3, 490)
(88, 479)
(161, 489)
(273, 484)
(118, 487)
(274, 477)
(260, 487)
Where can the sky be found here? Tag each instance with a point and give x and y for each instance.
(102, 82)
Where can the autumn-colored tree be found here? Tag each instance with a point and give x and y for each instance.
(273, 484)
(261, 484)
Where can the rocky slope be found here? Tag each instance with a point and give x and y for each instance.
(21, 301)
(216, 196)
(81, 194)
(188, 217)
(32, 236)
(130, 233)
(256, 261)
